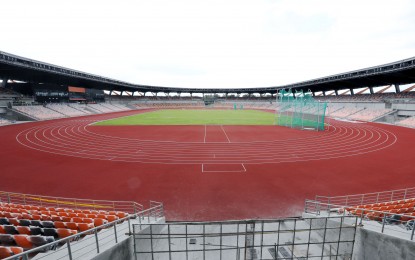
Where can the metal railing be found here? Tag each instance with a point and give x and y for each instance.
(292, 238)
(72, 203)
(368, 198)
(94, 240)
(387, 222)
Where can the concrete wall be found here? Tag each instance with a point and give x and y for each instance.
(122, 250)
(373, 245)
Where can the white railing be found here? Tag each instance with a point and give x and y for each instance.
(368, 198)
(95, 238)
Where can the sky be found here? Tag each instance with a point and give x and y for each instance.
(211, 43)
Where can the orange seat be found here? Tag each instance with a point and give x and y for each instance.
(56, 218)
(94, 212)
(77, 220)
(87, 220)
(64, 232)
(72, 225)
(46, 218)
(62, 214)
(99, 222)
(85, 226)
(66, 219)
(2, 231)
(26, 216)
(24, 230)
(5, 252)
(14, 221)
(36, 217)
(23, 241)
(115, 213)
(102, 216)
(86, 211)
(81, 215)
(16, 250)
(59, 224)
(124, 214)
(92, 215)
(73, 215)
(77, 211)
(112, 218)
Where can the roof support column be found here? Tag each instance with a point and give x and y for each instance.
(324, 93)
(3, 83)
(336, 92)
(371, 90)
(397, 88)
(351, 92)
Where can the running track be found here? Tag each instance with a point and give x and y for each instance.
(205, 172)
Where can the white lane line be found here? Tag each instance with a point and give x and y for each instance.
(225, 134)
(204, 139)
(243, 167)
(242, 171)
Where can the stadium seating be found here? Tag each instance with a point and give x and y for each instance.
(369, 114)
(66, 110)
(54, 111)
(409, 122)
(378, 211)
(25, 226)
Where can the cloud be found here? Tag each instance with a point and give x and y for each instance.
(189, 43)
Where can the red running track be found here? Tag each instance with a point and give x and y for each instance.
(205, 172)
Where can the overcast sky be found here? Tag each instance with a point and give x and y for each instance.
(224, 43)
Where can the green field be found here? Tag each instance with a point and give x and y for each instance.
(195, 117)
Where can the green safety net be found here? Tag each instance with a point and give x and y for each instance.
(299, 110)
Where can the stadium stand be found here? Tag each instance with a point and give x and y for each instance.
(39, 112)
(40, 224)
(54, 111)
(66, 110)
(408, 122)
(4, 121)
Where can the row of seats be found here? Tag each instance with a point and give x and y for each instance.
(24, 208)
(377, 211)
(54, 111)
(26, 241)
(26, 226)
(61, 232)
(7, 251)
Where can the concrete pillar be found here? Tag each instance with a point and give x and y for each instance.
(313, 93)
(336, 92)
(351, 92)
(371, 90)
(3, 83)
(324, 93)
(397, 88)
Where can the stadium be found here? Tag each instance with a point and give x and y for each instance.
(98, 162)
(203, 161)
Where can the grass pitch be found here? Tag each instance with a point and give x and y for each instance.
(195, 117)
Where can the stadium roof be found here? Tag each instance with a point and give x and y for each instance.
(24, 69)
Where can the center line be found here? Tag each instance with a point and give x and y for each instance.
(225, 134)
